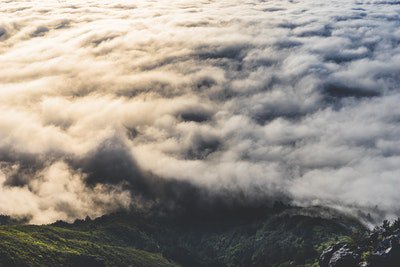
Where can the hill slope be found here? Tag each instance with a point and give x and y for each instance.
(281, 237)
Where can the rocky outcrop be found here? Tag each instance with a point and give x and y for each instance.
(339, 255)
(387, 253)
(379, 248)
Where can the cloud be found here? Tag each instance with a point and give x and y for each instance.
(193, 103)
(57, 192)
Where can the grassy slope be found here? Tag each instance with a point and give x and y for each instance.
(54, 246)
(276, 239)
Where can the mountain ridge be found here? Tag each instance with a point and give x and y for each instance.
(281, 236)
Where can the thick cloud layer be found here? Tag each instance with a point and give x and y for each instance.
(108, 103)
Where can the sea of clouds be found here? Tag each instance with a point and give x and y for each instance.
(108, 103)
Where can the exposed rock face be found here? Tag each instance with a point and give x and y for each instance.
(326, 255)
(339, 255)
(387, 253)
(344, 257)
(383, 250)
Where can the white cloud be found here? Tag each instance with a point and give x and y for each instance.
(285, 97)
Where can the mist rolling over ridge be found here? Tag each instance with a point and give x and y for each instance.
(198, 104)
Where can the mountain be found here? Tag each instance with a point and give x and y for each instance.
(279, 236)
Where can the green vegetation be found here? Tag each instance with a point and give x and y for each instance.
(288, 237)
(54, 246)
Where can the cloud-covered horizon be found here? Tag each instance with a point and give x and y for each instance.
(108, 103)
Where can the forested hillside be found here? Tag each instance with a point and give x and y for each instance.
(282, 236)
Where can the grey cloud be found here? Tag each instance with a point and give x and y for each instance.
(202, 146)
(3, 33)
(40, 31)
(338, 90)
(195, 115)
